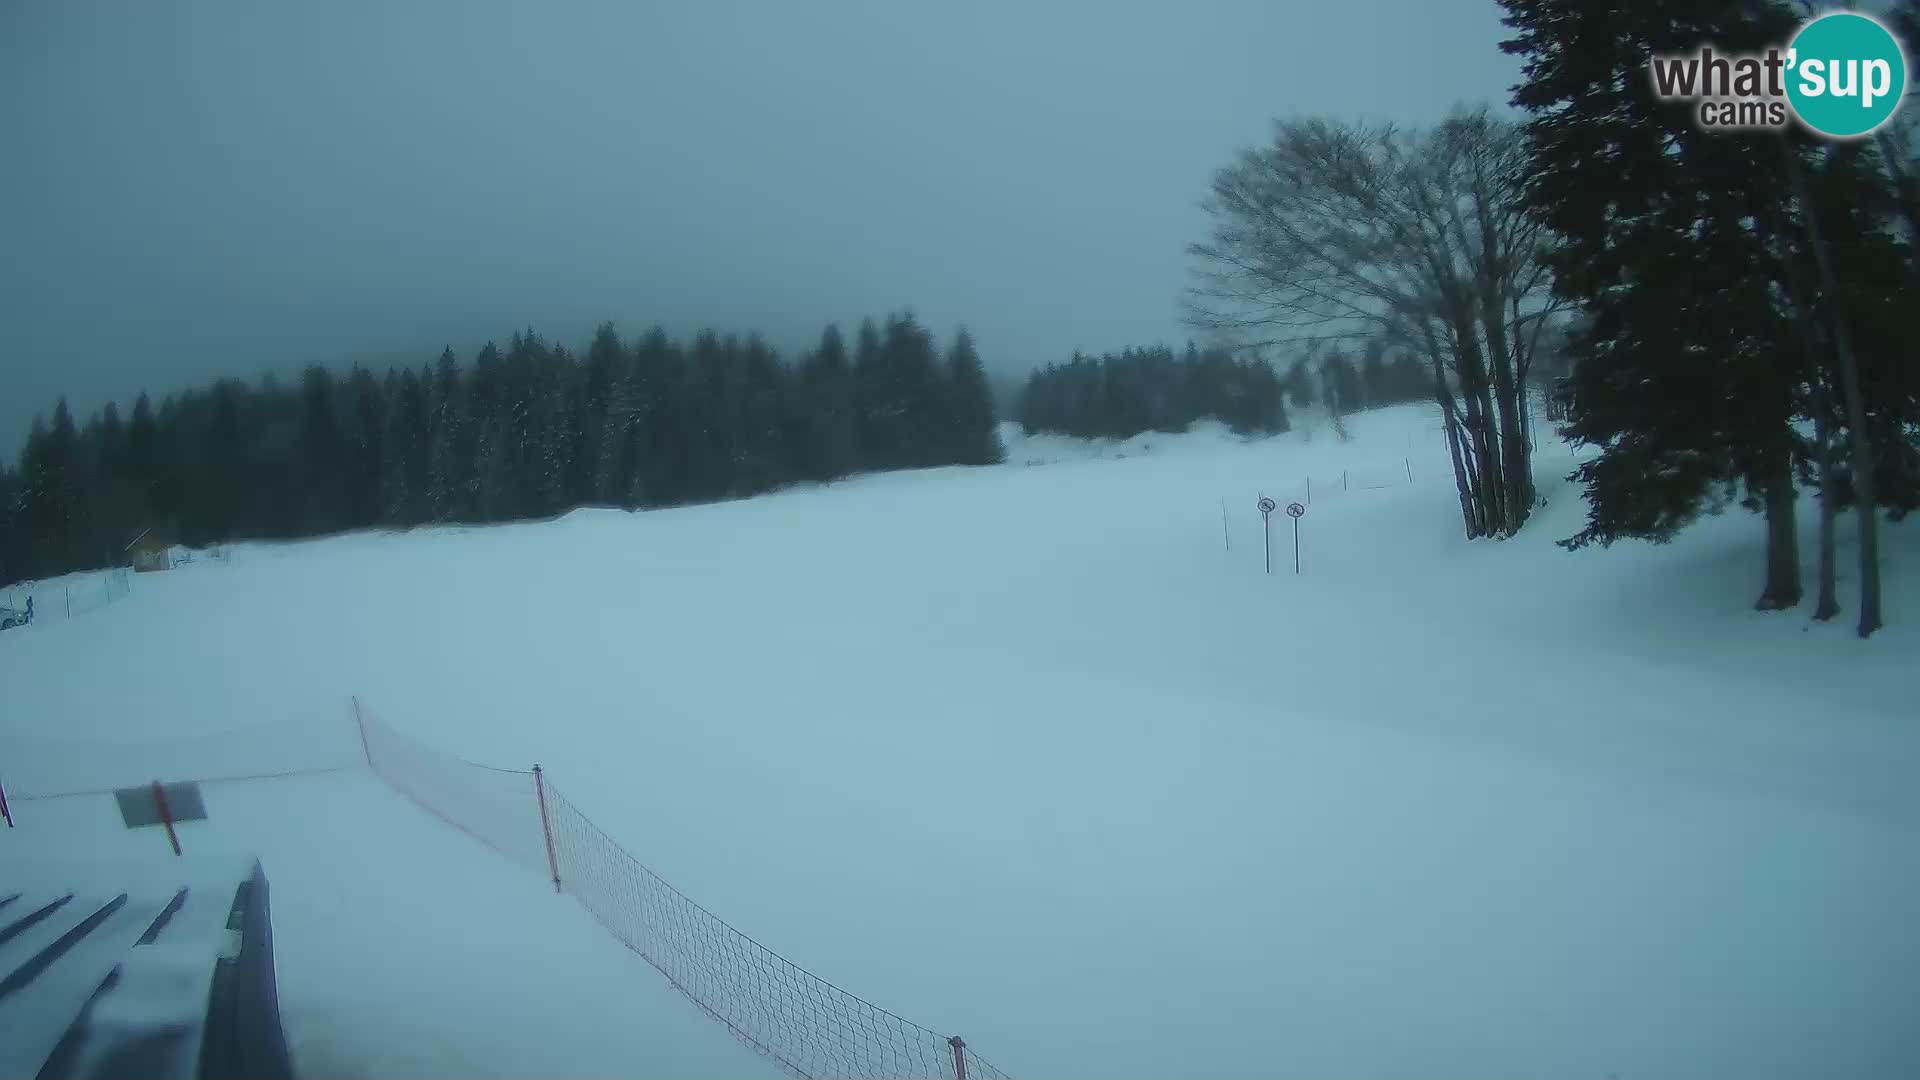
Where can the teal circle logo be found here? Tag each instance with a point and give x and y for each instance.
(1846, 74)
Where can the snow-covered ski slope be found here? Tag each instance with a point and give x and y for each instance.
(1024, 753)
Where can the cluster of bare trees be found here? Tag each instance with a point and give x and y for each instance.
(1343, 231)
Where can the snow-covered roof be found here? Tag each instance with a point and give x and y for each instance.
(110, 966)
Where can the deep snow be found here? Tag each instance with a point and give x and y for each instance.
(1023, 753)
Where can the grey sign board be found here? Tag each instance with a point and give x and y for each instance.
(139, 808)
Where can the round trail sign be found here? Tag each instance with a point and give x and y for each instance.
(1266, 505)
(1294, 510)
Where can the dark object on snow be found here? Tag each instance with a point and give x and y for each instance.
(139, 807)
(157, 971)
(149, 551)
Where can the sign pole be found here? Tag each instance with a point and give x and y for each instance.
(166, 815)
(1296, 511)
(1266, 506)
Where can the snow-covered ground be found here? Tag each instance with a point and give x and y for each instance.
(1026, 754)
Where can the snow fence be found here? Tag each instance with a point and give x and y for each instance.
(805, 1025)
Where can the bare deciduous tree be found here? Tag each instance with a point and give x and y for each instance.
(1336, 231)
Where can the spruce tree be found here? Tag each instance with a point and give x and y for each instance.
(552, 400)
(1374, 382)
(518, 465)
(659, 437)
(15, 560)
(107, 473)
(709, 428)
(220, 495)
(486, 439)
(409, 467)
(1032, 411)
(322, 453)
(446, 473)
(1299, 385)
(972, 434)
(1861, 342)
(141, 463)
(64, 486)
(1266, 401)
(366, 450)
(872, 394)
(761, 463)
(908, 406)
(830, 441)
(45, 501)
(595, 476)
(928, 392)
(1685, 376)
(1341, 385)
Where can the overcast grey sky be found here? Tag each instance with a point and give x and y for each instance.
(193, 188)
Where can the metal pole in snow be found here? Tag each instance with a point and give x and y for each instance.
(1224, 534)
(360, 724)
(166, 815)
(546, 827)
(1296, 545)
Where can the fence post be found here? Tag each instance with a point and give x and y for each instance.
(4, 812)
(546, 824)
(166, 815)
(1343, 479)
(360, 724)
(959, 1058)
(1409, 462)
